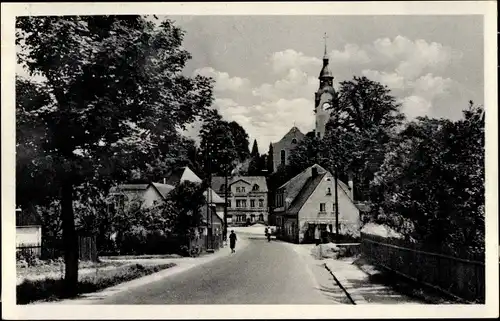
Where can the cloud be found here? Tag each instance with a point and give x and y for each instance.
(431, 86)
(283, 61)
(390, 79)
(223, 82)
(412, 58)
(296, 84)
(414, 106)
(411, 68)
(270, 120)
(352, 53)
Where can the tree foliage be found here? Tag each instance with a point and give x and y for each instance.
(431, 184)
(361, 125)
(112, 92)
(218, 151)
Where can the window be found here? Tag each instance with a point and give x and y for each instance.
(238, 189)
(283, 157)
(279, 200)
(241, 218)
(322, 207)
(294, 141)
(255, 187)
(261, 217)
(228, 203)
(328, 191)
(252, 203)
(243, 203)
(243, 189)
(261, 203)
(238, 203)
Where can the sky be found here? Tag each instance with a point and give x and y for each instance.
(266, 67)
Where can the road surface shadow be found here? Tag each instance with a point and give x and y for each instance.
(335, 294)
(400, 286)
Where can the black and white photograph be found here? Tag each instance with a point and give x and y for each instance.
(341, 157)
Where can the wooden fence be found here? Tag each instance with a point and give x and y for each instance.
(87, 248)
(458, 277)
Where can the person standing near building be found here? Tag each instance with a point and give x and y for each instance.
(232, 241)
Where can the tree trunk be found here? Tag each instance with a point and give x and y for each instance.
(70, 241)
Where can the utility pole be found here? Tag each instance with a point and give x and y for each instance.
(208, 194)
(225, 201)
(336, 204)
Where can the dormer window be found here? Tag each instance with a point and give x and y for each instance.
(238, 189)
(294, 141)
(255, 187)
(328, 191)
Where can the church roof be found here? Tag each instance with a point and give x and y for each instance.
(294, 131)
(325, 71)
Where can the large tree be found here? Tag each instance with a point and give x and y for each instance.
(364, 119)
(240, 138)
(115, 88)
(257, 162)
(218, 151)
(431, 184)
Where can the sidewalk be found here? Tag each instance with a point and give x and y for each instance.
(182, 264)
(362, 285)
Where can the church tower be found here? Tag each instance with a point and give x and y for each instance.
(325, 97)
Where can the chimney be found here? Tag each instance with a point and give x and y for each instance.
(314, 171)
(350, 183)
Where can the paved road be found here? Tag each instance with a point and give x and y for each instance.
(261, 273)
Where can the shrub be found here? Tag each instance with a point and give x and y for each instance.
(52, 289)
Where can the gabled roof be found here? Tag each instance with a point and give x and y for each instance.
(214, 197)
(295, 185)
(203, 211)
(294, 131)
(219, 181)
(182, 174)
(162, 189)
(304, 194)
(128, 187)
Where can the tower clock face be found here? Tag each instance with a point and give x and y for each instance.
(326, 106)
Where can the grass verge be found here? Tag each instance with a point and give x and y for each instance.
(51, 289)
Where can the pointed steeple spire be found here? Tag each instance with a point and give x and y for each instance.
(325, 74)
(325, 56)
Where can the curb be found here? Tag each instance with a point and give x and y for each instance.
(346, 286)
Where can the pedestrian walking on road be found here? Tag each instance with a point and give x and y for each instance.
(232, 241)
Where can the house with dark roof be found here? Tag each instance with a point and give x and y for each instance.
(180, 175)
(183, 174)
(150, 194)
(247, 198)
(305, 206)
